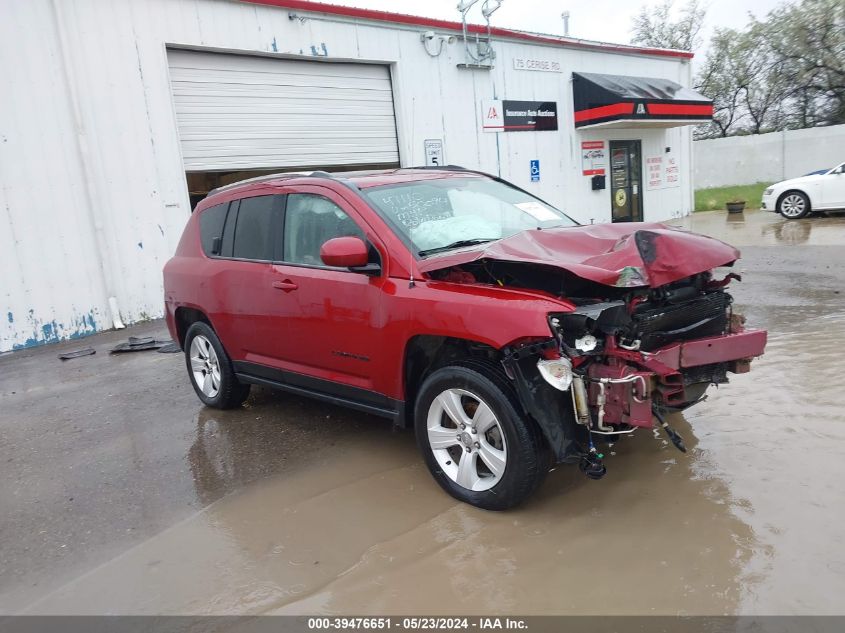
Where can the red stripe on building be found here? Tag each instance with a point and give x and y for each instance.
(676, 109)
(431, 23)
(601, 112)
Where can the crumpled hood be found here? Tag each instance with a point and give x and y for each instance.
(623, 255)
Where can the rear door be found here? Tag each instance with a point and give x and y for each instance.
(241, 288)
(333, 317)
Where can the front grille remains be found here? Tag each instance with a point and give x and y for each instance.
(703, 316)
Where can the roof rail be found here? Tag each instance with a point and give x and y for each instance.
(440, 167)
(266, 177)
(463, 169)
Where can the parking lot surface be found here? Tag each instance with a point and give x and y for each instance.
(122, 494)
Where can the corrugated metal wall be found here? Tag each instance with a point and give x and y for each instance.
(238, 112)
(92, 188)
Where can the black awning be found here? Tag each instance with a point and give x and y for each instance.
(619, 101)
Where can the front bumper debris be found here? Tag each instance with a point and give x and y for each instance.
(713, 349)
(625, 387)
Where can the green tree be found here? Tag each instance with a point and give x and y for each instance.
(766, 85)
(808, 38)
(722, 78)
(658, 28)
(784, 71)
(746, 81)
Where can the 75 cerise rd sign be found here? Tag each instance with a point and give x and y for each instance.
(542, 65)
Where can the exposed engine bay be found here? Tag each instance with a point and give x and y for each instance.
(625, 355)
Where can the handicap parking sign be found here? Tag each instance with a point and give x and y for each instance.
(535, 171)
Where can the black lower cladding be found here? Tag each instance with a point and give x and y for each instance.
(705, 315)
(551, 409)
(326, 390)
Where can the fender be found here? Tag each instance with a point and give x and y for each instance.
(492, 316)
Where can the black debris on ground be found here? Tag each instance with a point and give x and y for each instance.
(142, 343)
(76, 353)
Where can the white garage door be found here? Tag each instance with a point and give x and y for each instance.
(237, 112)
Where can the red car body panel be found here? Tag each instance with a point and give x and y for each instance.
(370, 318)
(712, 349)
(622, 255)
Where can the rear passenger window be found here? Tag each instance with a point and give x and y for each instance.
(253, 237)
(211, 227)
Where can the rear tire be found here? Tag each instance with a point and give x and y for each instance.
(210, 369)
(794, 205)
(499, 458)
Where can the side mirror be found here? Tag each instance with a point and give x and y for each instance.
(347, 252)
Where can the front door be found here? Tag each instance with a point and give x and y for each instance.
(625, 181)
(331, 315)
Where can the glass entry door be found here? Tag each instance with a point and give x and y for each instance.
(626, 181)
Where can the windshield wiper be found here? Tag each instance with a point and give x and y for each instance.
(458, 244)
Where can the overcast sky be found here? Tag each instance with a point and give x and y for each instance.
(604, 20)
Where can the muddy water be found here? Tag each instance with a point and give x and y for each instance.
(748, 521)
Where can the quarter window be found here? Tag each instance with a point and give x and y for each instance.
(310, 221)
(253, 237)
(211, 227)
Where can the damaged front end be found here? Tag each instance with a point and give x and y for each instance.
(624, 362)
(649, 328)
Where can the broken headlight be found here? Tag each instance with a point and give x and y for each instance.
(582, 330)
(557, 372)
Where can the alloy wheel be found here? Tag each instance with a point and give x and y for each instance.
(467, 439)
(793, 205)
(205, 366)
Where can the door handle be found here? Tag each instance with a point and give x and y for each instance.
(287, 285)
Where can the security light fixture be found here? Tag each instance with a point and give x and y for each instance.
(483, 55)
(487, 11)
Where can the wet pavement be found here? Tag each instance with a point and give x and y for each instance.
(122, 494)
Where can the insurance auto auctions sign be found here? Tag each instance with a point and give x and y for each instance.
(518, 116)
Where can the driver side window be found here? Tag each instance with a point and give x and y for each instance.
(310, 221)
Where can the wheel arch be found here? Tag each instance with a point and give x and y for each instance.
(184, 317)
(425, 353)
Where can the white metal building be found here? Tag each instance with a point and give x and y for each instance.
(108, 104)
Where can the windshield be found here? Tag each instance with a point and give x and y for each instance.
(437, 215)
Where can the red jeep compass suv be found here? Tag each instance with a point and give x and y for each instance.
(507, 335)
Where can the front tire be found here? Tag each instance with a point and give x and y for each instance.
(794, 205)
(475, 441)
(210, 369)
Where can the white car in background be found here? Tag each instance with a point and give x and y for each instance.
(797, 197)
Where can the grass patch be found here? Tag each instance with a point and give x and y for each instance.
(717, 197)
